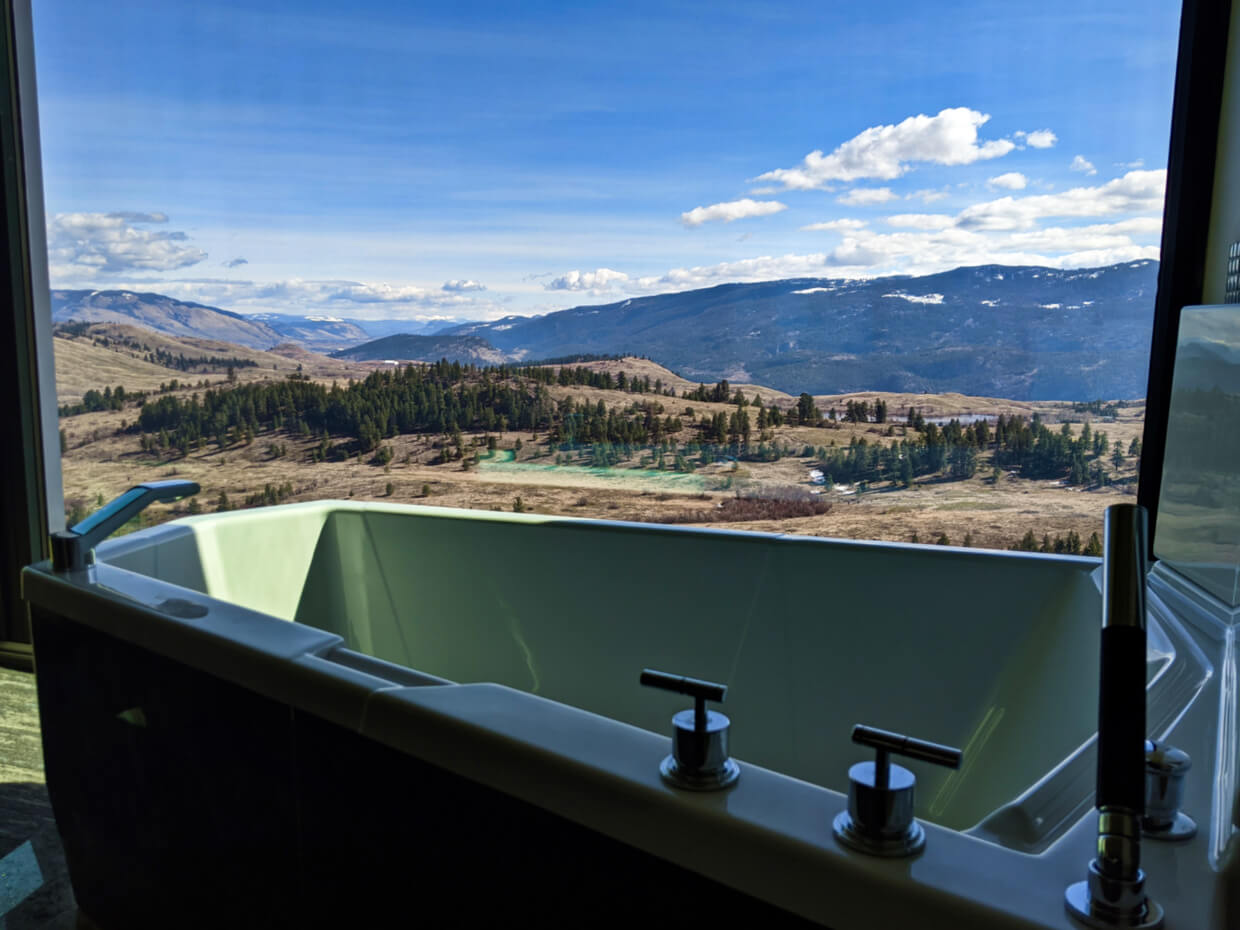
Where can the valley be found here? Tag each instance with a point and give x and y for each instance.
(589, 447)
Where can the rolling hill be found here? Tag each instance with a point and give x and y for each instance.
(100, 355)
(162, 314)
(404, 347)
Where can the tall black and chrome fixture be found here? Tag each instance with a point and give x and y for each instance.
(1113, 893)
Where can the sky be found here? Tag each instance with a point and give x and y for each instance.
(476, 160)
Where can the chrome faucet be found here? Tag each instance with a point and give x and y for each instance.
(1113, 894)
(71, 547)
(879, 819)
(699, 759)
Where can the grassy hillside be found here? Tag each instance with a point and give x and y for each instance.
(102, 355)
(676, 479)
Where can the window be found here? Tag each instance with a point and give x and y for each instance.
(872, 273)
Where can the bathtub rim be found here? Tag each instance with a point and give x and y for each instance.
(768, 837)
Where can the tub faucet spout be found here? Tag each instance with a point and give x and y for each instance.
(71, 547)
(1113, 894)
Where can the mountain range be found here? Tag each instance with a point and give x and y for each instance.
(1025, 333)
(256, 330)
(164, 315)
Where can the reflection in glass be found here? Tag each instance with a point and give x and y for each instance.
(1199, 506)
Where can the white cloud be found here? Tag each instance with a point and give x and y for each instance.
(886, 152)
(867, 254)
(599, 280)
(926, 195)
(845, 224)
(322, 298)
(378, 293)
(1139, 163)
(111, 243)
(1038, 139)
(1080, 164)
(764, 268)
(236, 263)
(731, 210)
(1134, 192)
(458, 287)
(921, 220)
(866, 196)
(1012, 181)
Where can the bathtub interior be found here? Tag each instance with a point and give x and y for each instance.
(996, 655)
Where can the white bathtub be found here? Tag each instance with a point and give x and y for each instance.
(506, 649)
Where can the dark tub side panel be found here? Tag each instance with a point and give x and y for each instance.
(177, 812)
(387, 834)
(229, 809)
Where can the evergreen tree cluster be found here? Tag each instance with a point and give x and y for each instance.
(440, 398)
(721, 393)
(1039, 452)
(587, 377)
(181, 362)
(107, 399)
(1068, 545)
(269, 496)
(858, 411)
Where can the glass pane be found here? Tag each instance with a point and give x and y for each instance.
(873, 271)
(1199, 505)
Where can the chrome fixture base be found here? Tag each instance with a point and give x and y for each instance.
(1165, 768)
(909, 843)
(879, 818)
(1107, 903)
(678, 776)
(699, 759)
(1182, 828)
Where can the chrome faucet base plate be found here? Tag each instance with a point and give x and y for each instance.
(911, 842)
(678, 777)
(1080, 906)
(1181, 829)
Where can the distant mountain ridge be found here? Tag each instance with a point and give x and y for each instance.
(1021, 332)
(405, 347)
(330, 334)
(1024, 333)
(184, 318)
(162, 314)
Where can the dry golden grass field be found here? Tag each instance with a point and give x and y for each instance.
(101, 460)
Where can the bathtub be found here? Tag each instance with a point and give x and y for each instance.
(331, 712)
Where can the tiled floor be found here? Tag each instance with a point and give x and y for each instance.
(34, 884)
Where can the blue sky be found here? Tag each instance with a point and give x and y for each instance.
(474, 160)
